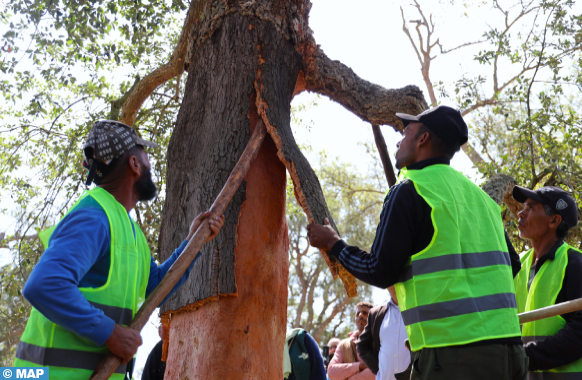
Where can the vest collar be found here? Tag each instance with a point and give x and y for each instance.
(431, 161)
(550, 255)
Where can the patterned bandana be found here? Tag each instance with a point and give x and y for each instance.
(107, 141)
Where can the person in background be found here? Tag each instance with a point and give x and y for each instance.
(346, 363)
(301, 357)
(382, 344)
(551, 273)
(332, 344)
(155, 368)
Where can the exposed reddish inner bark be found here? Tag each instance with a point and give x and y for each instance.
(244, 326)
(242, 337)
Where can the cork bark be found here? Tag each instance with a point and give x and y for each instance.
(249, 259)
(211, 132)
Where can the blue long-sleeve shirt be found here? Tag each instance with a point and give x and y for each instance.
(79, 256)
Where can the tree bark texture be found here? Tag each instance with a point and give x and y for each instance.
(249, 258)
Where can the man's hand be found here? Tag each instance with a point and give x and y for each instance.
(323, 237)
(363, 366)
(215, 224)
(123, 342)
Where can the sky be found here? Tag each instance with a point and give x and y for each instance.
(367, 36)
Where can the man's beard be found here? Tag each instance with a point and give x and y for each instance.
(145, 187)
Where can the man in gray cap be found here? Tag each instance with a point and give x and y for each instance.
(441, 242)
(550, 274)
(97, 269)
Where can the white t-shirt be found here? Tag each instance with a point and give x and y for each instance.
(394, 357)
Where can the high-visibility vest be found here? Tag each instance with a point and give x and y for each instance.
(543, 292)
(69, 356)
(459, 289)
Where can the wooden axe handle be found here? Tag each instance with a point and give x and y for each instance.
(550, 311)
(108, 366)
(383, 150)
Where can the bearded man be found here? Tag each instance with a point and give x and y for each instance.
(97, 269)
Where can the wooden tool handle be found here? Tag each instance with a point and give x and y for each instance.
(107, 367)
(550, 311)
(383, 150)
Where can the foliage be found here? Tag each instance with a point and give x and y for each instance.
(522, 103)
(316, 302)
(64, 65)
(533, 129)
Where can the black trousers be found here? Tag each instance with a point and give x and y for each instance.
(485, 362)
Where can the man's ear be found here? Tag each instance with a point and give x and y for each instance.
(135, 165)
(423, 139)
(555, 221)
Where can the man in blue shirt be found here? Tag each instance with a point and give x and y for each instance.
(79, 252)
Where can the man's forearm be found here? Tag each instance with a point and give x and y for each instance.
(340, 371)
(67, 307)
(562, 348)
(367, 267)
(157, 272)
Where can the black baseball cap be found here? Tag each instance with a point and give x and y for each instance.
(446, 122)
(559, 200)
(106, 142)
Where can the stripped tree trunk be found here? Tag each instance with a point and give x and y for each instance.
(246, 60)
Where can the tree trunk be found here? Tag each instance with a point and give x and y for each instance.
(213, 126)
(246, 60)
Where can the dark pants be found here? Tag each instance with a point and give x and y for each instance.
(487, 362)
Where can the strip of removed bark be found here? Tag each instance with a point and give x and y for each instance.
(306, 184)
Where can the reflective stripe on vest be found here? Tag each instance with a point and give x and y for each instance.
(120, 315)
(458, 307)
(45, 343)
(458, 290)
(62, 357)
(543, 292)
(455, 261)
(554, 376)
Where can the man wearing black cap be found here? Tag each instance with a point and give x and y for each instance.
(551, 273)
(441, 242)
(97, 269)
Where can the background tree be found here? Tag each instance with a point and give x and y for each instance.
(59, 72)
(316, 303)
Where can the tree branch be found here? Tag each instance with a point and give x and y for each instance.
(444, 51)
(372, 103)
(317, 334)
(145, 87)
(425, 61)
